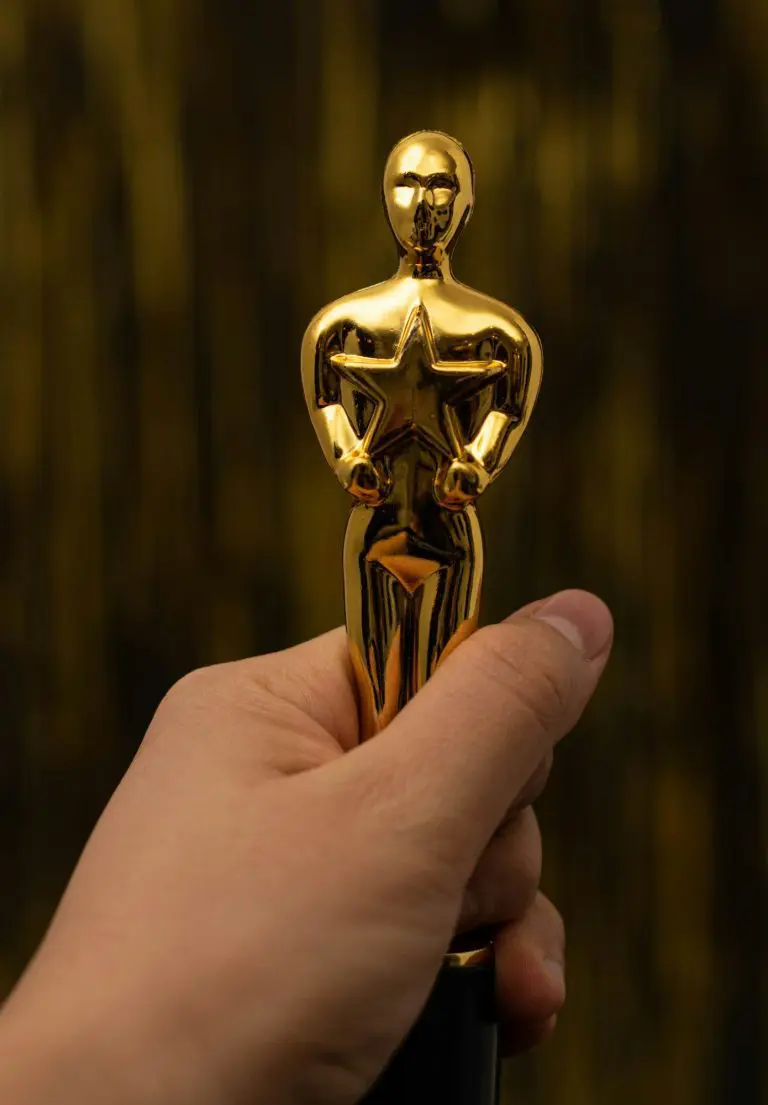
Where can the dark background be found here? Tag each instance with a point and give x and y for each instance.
(183, 183)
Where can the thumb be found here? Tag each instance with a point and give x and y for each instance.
(450, 764)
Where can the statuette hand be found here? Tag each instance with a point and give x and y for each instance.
(460, 483)
(361, 477)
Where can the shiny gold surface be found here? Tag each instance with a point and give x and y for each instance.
(419, 389)
(475, 957)
(154, 519)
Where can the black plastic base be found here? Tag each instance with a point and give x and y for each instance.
(451, 1056)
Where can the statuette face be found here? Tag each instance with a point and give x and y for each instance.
(428, 191)
(419, 389)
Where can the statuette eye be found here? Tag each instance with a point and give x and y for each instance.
(442, 197)
(404, 195)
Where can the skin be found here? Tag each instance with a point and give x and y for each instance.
(264, 904)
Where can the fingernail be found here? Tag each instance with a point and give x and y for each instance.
(581, 618)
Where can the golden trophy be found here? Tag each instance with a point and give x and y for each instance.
(419, 389)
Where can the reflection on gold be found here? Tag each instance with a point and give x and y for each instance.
(146, 258)
(419, 390)
(474, 958)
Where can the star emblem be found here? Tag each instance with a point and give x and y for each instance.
(414, 392)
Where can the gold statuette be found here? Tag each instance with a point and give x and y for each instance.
(419, 389)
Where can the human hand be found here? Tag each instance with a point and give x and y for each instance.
(460, 483)
(263, 906)
(361, 477)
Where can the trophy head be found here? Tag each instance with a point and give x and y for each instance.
(429, 191)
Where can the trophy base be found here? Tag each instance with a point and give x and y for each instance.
(451, 1056)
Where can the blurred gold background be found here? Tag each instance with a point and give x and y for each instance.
(182, 184)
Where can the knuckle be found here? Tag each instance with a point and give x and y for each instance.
(531, 668)
(251, 711)
(506, 880)
(552, 920)
(251, 684)
(525, 848)
(523, 863)
(189, 688)
(535, 786)
(180, 708)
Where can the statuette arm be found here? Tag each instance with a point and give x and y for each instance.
(501, 430)
(343, 449)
